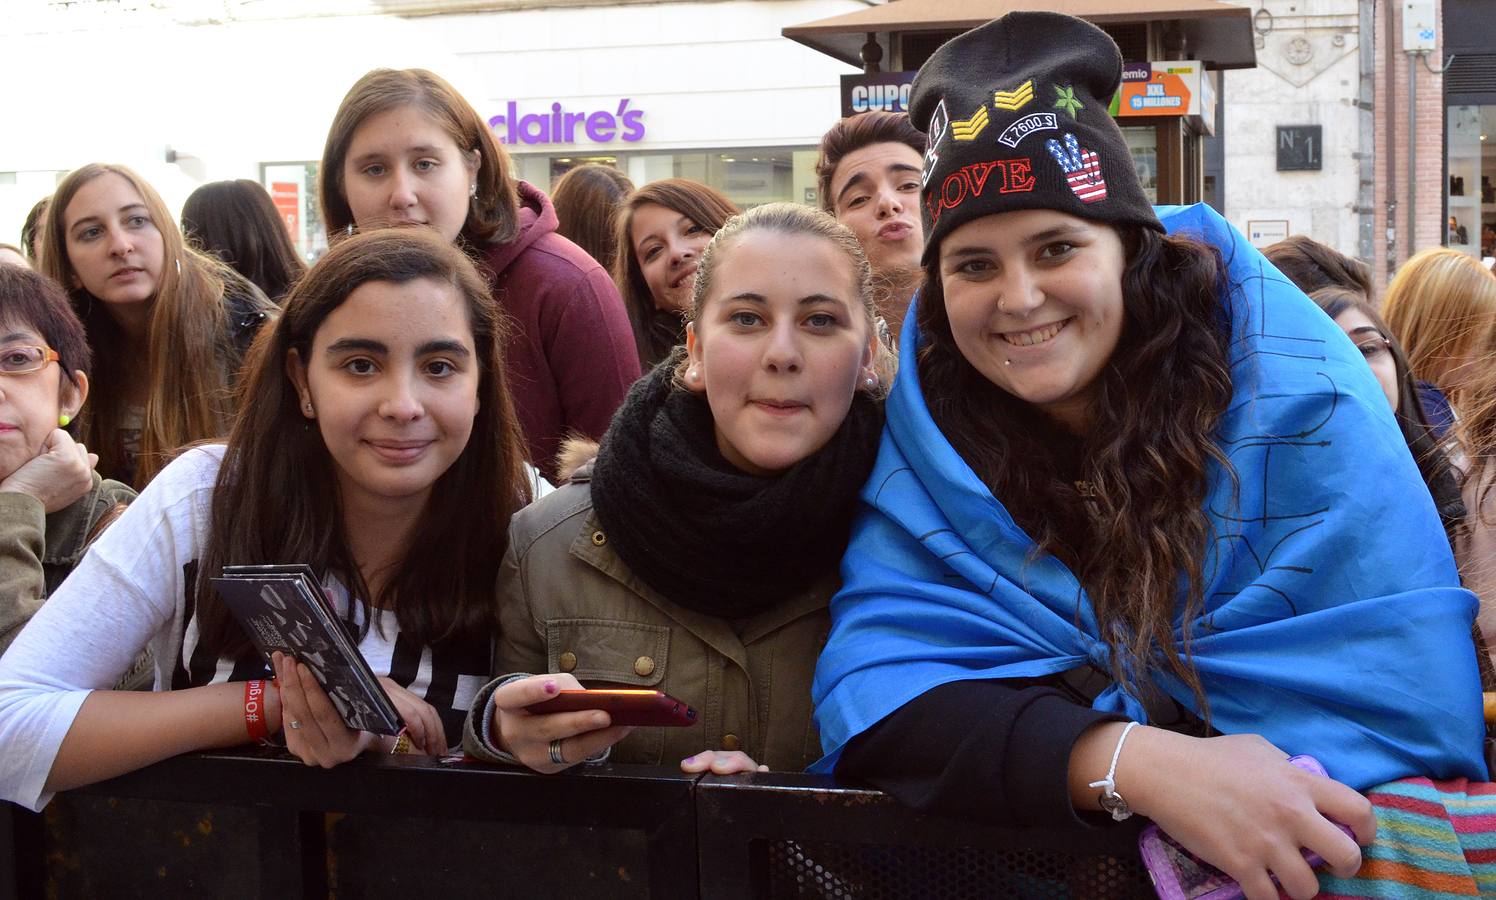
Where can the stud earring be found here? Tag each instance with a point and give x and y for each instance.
(693, 375)
(308, 407)
(473, 190)
(64, 420)
(349, 229)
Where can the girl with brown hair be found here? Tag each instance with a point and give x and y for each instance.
(406, 149)
(1115, 554)
(167, 325)
(376, 444)
(587, 200)
(237, 222)
(661, 232)
(756, 438)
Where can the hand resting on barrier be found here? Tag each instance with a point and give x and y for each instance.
(527, 736)
(720, 762)
(323, 740)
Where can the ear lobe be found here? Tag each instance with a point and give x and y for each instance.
(296, 372)
(74, 395)
(695, 378)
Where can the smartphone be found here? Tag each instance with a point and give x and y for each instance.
(1181, 875)
(624, 706)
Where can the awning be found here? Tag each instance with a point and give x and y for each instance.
(1219, 34)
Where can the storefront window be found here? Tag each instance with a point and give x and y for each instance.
(1472, 180)
(293, 189)
(1142, 143)
(749, 176)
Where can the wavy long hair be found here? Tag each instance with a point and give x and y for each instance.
(657, 331)
(1144, 463)
(277, 499)
(189, 360)
(493, 211)
(1442, 307)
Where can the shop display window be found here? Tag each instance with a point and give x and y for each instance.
(1471, 190)
(293, 189)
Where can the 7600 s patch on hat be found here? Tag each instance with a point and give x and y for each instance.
(1016, 113)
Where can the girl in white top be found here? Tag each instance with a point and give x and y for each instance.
(376, 443)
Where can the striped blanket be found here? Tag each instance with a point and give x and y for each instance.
(1435, 839)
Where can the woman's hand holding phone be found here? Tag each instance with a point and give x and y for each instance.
(323, 740)
(1242, 807)
(527, 736)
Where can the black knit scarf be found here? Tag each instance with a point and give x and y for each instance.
(703, 533)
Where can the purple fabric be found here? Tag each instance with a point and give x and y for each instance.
(571, 357)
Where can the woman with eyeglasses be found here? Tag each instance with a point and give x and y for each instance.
(52, 502)
(1366, 329)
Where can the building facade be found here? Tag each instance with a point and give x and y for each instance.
(701, 90)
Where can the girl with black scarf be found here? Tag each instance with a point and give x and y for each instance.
(697, 554)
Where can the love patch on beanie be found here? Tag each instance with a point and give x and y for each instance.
(1016, 114)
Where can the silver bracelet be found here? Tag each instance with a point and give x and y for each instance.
(1110, 800)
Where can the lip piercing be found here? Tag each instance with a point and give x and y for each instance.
(1006, 362)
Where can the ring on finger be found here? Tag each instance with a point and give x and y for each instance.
(295, 724)
(556, 756)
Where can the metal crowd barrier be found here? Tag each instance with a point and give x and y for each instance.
(261, 824)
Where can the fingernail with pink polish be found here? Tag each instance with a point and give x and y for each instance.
(550, 687)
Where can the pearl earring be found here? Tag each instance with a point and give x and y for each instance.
(692, 375)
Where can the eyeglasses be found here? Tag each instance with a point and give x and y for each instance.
(25, 360)
(1374, 348)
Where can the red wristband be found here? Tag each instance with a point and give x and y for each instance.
(254, 710)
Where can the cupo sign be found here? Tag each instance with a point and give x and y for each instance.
(560, 126)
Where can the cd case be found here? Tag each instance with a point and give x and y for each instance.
(284, 608)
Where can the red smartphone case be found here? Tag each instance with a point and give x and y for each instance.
(623, 706)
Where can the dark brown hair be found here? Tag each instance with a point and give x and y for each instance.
(1312, 266)
(276, 497)
(189, 357)
(493, 214)
(1144, 463)
(31, 300)
(656, 331)
(237, 222)
(855, 132)
(586, 199)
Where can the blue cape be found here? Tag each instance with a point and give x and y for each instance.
(1334, 621)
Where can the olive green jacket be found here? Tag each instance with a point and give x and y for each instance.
(569, 604)
(37, 551)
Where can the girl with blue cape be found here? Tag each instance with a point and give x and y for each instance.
(1141, 524)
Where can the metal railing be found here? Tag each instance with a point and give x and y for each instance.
(261, 824)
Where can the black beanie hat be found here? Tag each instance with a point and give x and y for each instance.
(1016, 113)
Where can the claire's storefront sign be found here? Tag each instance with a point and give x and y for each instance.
(562, 126)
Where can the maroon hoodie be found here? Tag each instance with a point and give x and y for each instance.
(572, 356)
